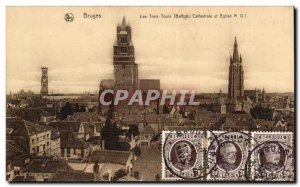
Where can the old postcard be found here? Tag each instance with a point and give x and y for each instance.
(143, 94)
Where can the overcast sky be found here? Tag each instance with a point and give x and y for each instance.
(183, 54)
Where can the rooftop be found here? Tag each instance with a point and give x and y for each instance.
(28, 128)
(46, 166)
(73, 176)
(111, 156)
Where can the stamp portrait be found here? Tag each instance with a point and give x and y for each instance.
(227, 155)
(272, 158)
(182, 155)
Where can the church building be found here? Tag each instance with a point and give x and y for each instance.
(236, 74)
(125, 66)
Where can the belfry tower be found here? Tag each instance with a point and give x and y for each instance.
(125, 68)
(236, 74)
(44, 81)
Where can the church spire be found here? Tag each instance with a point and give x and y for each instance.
(240, 58)
(235, 42)
(124, 22)
(236, 74)
(235, 51)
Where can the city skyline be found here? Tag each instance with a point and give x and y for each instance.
(160, 94)
(199, 63)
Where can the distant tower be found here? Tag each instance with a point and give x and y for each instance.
(44, 81)
(236, 74)
(125, 68)
(263, 95)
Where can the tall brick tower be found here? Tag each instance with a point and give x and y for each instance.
(44, 81)
(236, 74)
(125, 68)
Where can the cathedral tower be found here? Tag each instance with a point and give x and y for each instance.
(236, 74)
(44, 81)
(125, 68)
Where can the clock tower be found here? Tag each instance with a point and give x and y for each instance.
(125, 68)
(44, 81)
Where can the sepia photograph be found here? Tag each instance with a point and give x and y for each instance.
(165, 94)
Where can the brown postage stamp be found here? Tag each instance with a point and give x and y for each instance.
(273, 157)
(227, 155)
(182, 155)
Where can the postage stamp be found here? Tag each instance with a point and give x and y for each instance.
(182, 155)
(273, 157)
(227, 155)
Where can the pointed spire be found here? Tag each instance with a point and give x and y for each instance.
(235, 42)
(235, 51)
(124, 21)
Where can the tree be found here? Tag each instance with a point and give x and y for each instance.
(166, 109)
(82, 108)
(119, 174)
(137, 151)
(66, 111)
(132, 131)
(109, 134)
(258, 112)
(76, 107)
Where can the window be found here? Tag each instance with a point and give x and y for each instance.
(44, 147)
(74, 151)
(123, 49)
(38, 149)
(33, 150)
(47, 144)
(68, 152)
(44, 137)
(123, 39)
(37, 139)
(32, 141)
